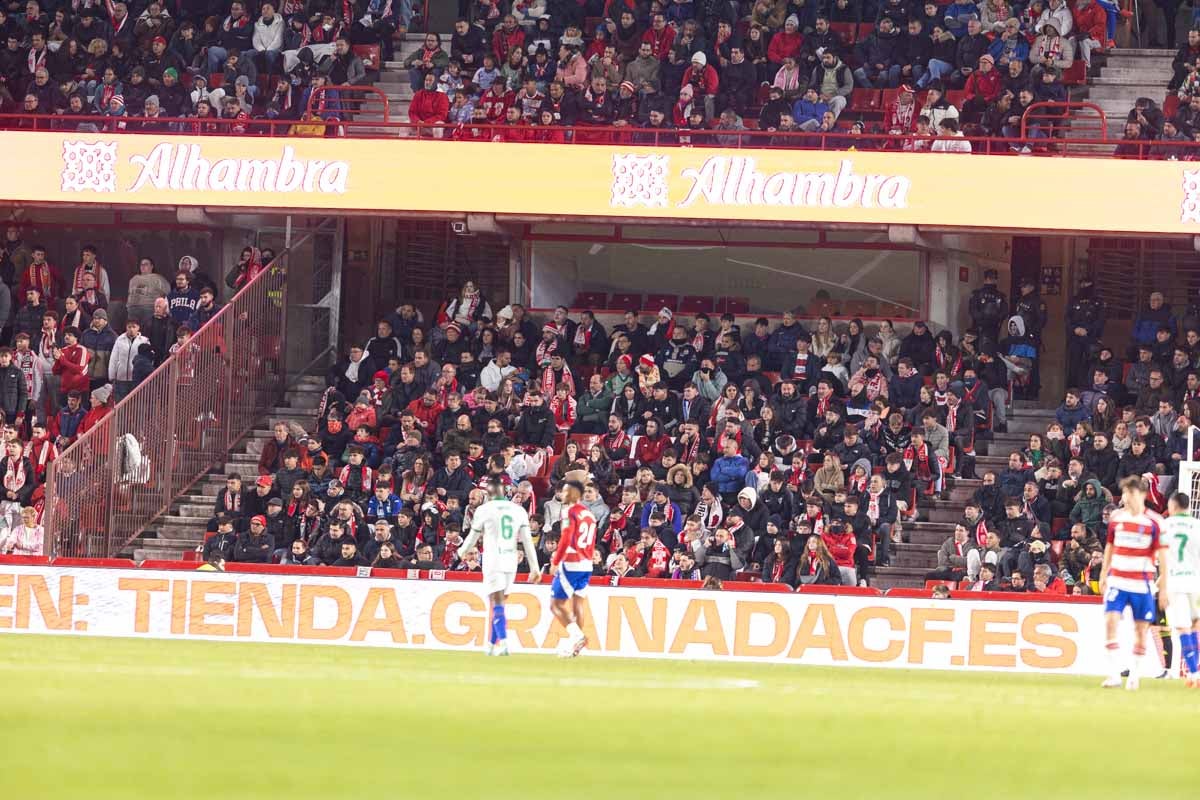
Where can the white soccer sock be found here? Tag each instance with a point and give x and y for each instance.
(574, 631)
(1114, 658)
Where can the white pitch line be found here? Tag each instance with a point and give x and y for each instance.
(473, 678)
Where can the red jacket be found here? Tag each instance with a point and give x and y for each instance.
(841, 547)
(986, 85)
(784, 44)
(72, 365)
(703, 80)
(1092, 21)
(660, 41)
(429, 105)
(503, 42)
(426, 414)
(649, 451)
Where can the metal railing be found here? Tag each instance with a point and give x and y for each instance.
(116, 479)
(837, 140)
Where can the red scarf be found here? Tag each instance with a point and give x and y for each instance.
(873, 506)
(981, 533)
(940, 355)
(14, 481)
(689, 450)
(616, 443)
(800, 370)
(951, 418)
(364, 473)
(35, 59)
(822, 406)
(583, 338)
(233, 501)
(921, 457)
(795, 477)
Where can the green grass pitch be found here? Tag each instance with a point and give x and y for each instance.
(118, 718)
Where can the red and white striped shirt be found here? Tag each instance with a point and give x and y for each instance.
(1135, 541)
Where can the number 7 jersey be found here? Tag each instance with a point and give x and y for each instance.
(578, 542)
(1181, 537)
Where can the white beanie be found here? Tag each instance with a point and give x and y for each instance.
(792, 20)
(700, 58)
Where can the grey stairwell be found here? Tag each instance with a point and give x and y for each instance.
(1127, 75)
(911, 561)
(182, 528)
(393, 81)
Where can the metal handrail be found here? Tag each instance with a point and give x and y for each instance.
(594, 135)
(89, 480)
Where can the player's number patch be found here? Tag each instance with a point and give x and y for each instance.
(1182, 538)
(1111, 596)
(587, 533)
(506, 527)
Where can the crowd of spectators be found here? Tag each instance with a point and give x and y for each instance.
(63, 366)
(1127, 413)
(1172, 130)
(699, 72)
(716, 447)
(237, 61)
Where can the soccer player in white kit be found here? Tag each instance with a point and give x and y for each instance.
(1181, 535)
(502, 524)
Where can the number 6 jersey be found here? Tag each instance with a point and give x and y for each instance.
(503, 525)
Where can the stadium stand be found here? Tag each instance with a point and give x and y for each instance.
(862, 471)
(652, 75)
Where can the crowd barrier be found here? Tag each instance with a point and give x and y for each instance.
(826, 626)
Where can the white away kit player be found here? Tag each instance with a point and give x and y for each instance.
(502, 524)
(1181, 536)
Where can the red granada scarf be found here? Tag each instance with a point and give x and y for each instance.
(922, 460)
(13, 481)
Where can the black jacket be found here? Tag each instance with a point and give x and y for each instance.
(253, 549)
(536, 426)
(14, 394)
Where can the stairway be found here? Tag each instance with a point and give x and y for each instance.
(1129, 74)
(393, 81)
(183, 526)
(912, 560)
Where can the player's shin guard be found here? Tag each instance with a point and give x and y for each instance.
(1189, 643)
(499, 625)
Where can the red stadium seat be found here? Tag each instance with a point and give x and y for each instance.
(584, 440)
(216, 80)
(956, 97)
(865, 29)
(887, 97)
(894, 310)
(695, 304)
(369, 54)
(1170, 105)
(845, 31)
(656, 301)
(931, 585)
(859, 308)
(734, 305)
(625, 301)
(1076, 74)
(591, 300)
(865, 100)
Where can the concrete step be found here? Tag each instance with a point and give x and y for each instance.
(176, 519)
(1118, 92)
(1140, 52)
(1148, 76)
(1139, 80)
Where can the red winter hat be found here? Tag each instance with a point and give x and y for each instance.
(265, 480)
(646, 360)
(260, 519)
(627, 360)
(381, 375)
